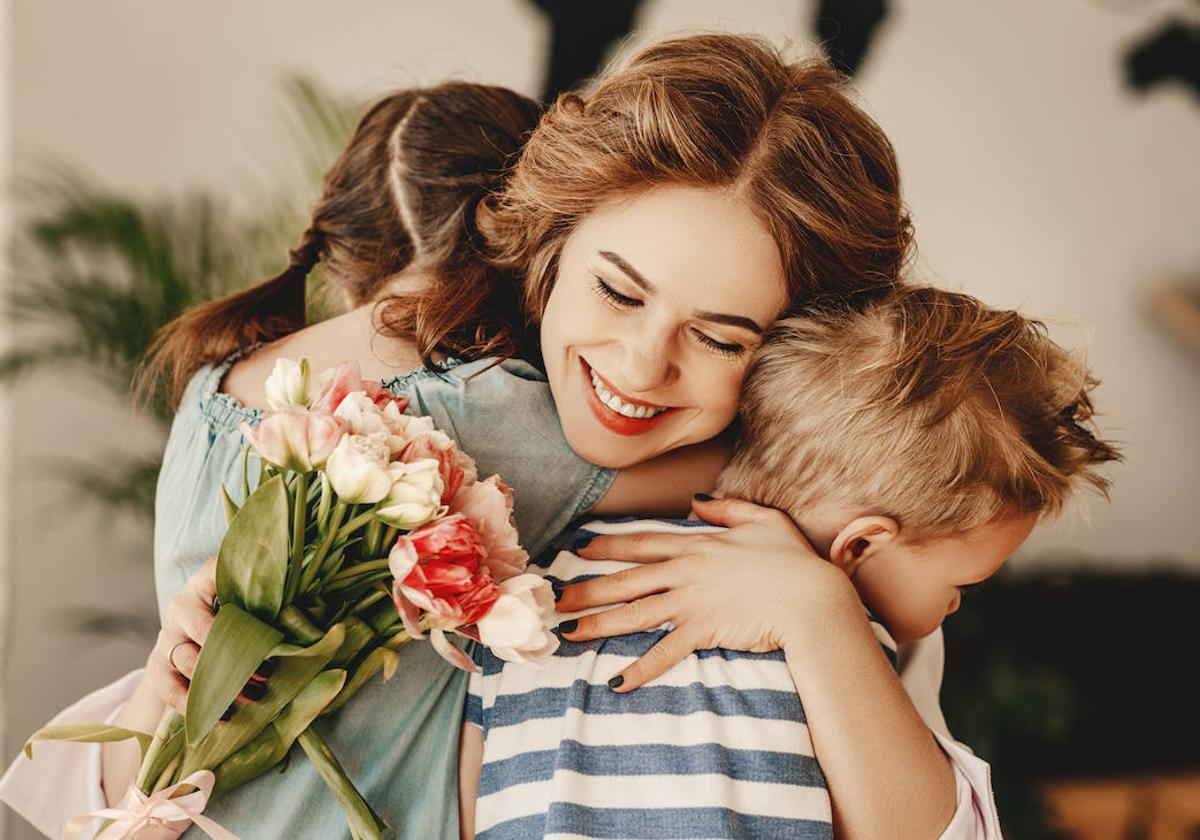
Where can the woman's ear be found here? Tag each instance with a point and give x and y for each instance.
(864, 537)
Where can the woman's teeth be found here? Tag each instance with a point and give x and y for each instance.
(619, 405)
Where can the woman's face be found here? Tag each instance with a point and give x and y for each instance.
(660, 299)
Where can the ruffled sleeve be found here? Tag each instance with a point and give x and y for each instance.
(63, 780)
(975, 817)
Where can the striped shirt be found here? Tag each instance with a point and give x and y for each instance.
(718, 747)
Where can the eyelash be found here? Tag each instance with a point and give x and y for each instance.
(613, 296)
(621, 301)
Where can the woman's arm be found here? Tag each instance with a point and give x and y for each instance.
(664, 486)
(759, 586)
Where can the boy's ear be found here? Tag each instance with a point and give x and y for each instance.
(862, 538)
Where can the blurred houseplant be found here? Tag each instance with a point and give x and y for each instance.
(95, 273)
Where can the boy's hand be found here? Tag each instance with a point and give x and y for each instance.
(758, 586)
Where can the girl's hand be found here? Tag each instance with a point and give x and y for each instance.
(758, 586)
(189, 617)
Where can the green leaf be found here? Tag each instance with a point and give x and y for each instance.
(252, 565)
(236, 645)
(86, 733)
(230, 505)
(359, 634)
(295, 668)
(272, 744)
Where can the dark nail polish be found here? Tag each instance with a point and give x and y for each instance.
(702, 497)
(253, 691)
(266, 669)
(569, 626)
(215, 605)
(228, 713)
(616, 682)
(582, 543)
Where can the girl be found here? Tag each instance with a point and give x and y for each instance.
(648, 234)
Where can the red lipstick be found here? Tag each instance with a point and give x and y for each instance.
(615, 421)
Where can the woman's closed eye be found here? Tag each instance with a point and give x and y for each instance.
(621, 301)
(611, 295)
(720, 347)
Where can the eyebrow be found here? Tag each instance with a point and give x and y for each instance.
(648, 287)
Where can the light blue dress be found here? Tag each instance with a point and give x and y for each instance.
(398, 741)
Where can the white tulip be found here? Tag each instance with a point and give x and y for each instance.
(358, 469)
(361, 414)
(415, 496)
(288, 384)
(517, 628)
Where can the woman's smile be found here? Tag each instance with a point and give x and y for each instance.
(617, 411)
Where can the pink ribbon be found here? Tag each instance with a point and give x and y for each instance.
(159, 816)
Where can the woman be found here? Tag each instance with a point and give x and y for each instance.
(649, 231)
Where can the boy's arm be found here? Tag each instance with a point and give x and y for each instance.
(887, 775)
(470, 760)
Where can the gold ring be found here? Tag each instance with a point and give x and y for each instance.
(171, 657)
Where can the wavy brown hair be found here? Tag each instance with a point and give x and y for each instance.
(401, 195)
(927, 406)
(716, 111)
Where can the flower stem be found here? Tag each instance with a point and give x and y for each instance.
(357, 522)
(364, 823)
(314, 565)
(298, 526)
(360, 568)
(372, 540)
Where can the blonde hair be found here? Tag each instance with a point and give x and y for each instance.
(926, 406)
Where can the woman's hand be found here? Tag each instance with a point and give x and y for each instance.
(189, 617)
(757, 586)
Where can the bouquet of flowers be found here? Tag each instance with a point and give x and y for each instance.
(368, 528)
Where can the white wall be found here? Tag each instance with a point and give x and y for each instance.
(1035, 180)
(5, 398)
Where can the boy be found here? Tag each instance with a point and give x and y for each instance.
(915, 442)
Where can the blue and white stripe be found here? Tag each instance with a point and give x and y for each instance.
(718, 747)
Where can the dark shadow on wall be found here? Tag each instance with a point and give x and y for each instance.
(582, 33)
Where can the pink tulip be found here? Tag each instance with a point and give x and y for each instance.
(382, 397)
(295, 438)
(455, 467)
(438, 571)
(335, 384)
(488, 504)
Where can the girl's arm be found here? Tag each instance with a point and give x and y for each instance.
(759, 586)
(470, 762)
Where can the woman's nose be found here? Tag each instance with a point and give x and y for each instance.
(649, 363)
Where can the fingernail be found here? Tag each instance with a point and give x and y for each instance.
(702, 497)
(569, 626)
(558, 593)
(215, 605)
(616, 682)
(582, 543)
(228, 713)
(265, 669)
(253, 691)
